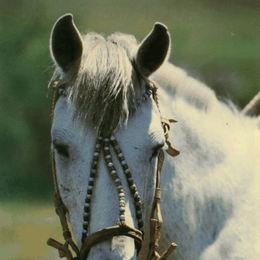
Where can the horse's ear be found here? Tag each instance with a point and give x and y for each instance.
(153, 50)
(65, 43)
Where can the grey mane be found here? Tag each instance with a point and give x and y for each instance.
(103, 88)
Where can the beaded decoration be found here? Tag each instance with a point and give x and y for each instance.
(104, 144)
(91, 183)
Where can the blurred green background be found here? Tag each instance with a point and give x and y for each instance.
(218, 42)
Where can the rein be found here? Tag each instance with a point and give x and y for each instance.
(103, 145)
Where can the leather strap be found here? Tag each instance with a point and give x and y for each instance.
(166, 123)
(156, 219)
(107, 233)
(69, 247)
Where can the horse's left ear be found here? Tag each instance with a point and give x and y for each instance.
(65, 43)
(153, 50)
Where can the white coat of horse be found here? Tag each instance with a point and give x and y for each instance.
(210, 192)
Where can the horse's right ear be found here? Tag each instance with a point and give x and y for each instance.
(65, 43)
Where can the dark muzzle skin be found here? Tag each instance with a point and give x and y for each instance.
(103, 144)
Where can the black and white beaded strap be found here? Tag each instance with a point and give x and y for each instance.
(90, 188)
(103, 145)
(130, 182)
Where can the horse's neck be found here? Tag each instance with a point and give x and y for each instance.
(204, 185)
(207, 128)
(178, 84)
(212, 138)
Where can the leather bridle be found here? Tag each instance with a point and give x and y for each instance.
(103, 145)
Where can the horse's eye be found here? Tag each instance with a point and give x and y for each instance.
(156, 150)
(61, 149)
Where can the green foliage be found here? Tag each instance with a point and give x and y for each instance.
(217, 41)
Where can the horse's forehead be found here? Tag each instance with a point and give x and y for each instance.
(62, 114)
(143, 128)
(143, 125)
(64, 126)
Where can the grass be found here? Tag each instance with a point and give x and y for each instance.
(24, 230)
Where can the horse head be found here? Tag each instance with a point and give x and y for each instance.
(106, 135)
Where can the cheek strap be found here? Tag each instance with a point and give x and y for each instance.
(156, 219)
(165, 122)
(69, 247)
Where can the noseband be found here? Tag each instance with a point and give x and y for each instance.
(105, 145)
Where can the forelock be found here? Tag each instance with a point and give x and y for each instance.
(103, 88)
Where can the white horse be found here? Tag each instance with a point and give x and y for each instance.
(210, 192)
